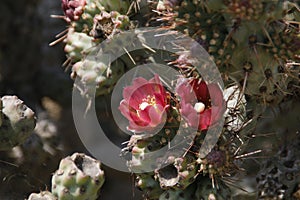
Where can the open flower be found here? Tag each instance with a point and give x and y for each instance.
(73, 9)
(144, 104)
(197, 106)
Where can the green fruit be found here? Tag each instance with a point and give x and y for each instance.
(79, 177)
(45, 195)
(96, 74)
(17, 122)
(95, 7)
(77, 45)
(180, 174)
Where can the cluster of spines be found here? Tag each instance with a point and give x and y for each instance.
(248, 40)
(248, 44)
(187, 171)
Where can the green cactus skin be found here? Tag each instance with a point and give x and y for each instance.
(199, 190)
(205, 190)
(18, 122)
(79, 177)
(77, 45)
(44, 195)
(139, 146)
(80, 44)
(95, 7)
(150, 187)
(178, 175)
(178, 194)
(93, 73)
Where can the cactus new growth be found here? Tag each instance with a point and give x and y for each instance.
(78, 177)
(17, 122)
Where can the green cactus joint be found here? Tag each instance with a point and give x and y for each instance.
(178, 175)
(17, 122)
(44, 195)
(79, 177)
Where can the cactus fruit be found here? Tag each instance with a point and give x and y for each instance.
(17, 122)
(97, 74)
(44, 195)
(77, 45)
(91, 22)
(78, 177)
(179, 174)
(83, 15)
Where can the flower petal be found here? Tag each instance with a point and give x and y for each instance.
(144, 104)
(205, 119)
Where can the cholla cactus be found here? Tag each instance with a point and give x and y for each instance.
(45, 195)
(91, 22)
(78, 177)
(256, 47)
(185, 171)
(17, 122)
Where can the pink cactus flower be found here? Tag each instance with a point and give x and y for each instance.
(197, 106)
(144, 104)
(73, 9)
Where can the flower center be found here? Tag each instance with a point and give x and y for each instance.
(149, 100)
(199, 107)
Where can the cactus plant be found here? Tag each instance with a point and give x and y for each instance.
(255, 51)
(78, 177)
(44, 195)
(254, 44)
(17, 122)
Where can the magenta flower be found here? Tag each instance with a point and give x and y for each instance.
(144, 104)
(197, 106)
(73, 9)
